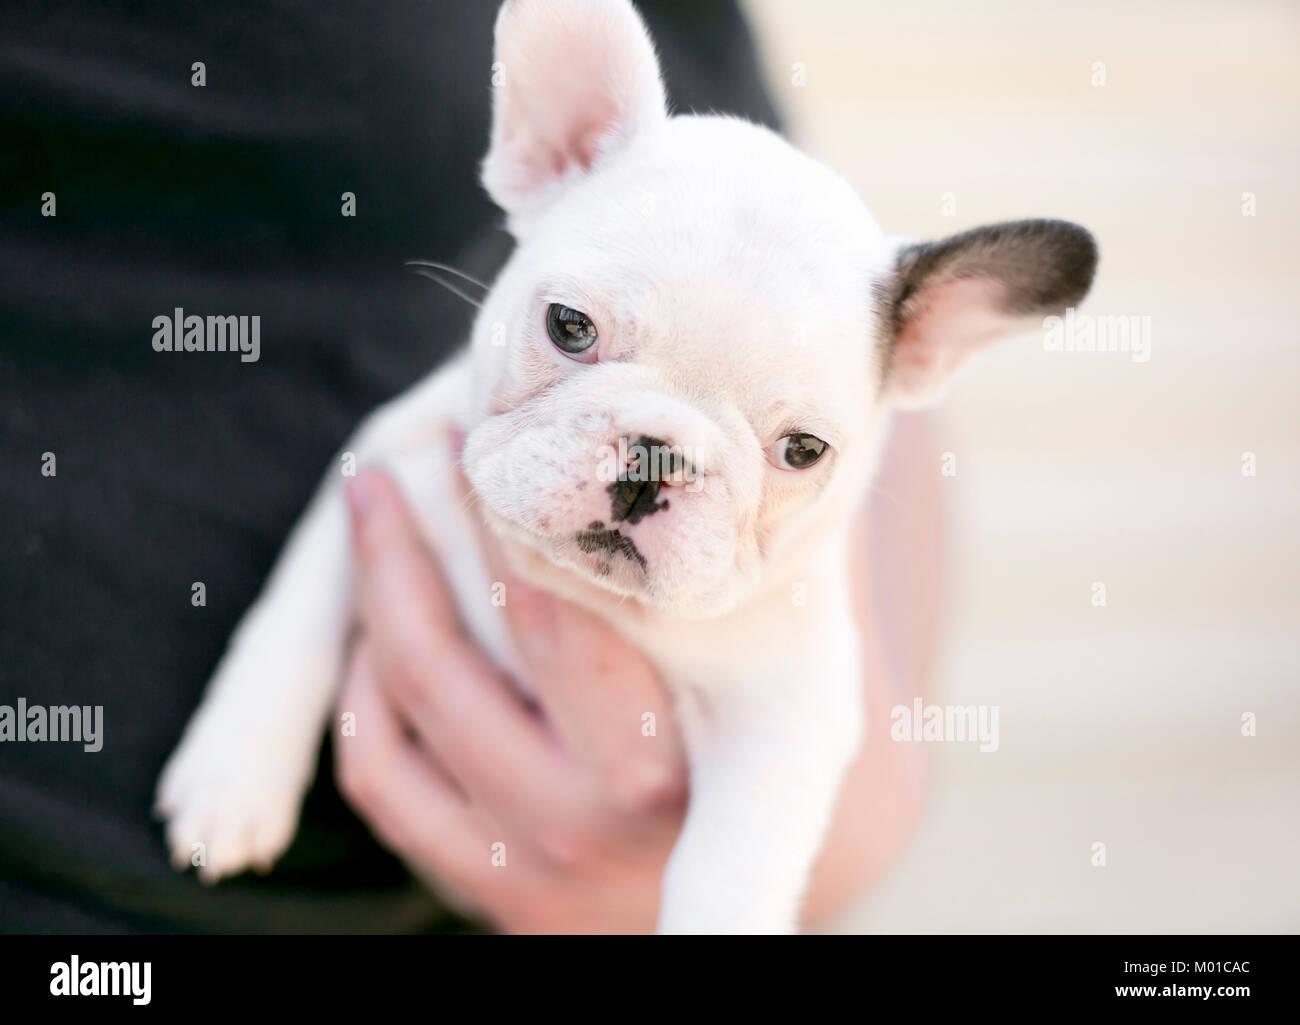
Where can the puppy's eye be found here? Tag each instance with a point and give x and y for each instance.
(571, 331)
(799, 451)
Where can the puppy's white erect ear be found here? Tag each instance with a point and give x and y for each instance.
(945, 301)
(574, 80)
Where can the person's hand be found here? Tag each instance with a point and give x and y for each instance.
(551, 817)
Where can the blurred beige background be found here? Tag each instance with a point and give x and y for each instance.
(1119, 724)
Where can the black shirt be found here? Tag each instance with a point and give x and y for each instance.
(170, 470)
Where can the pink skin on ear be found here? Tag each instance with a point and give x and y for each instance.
(578, 78)
(947, 324)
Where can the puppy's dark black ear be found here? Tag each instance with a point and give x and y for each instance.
(945, 301)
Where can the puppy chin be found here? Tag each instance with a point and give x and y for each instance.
(592, 556)
(588, 566)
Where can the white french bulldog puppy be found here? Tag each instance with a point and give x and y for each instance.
(672, 402)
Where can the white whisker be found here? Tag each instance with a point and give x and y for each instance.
(449, 269)
(449, 287)
(874, 490)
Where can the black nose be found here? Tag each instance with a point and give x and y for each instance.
(633, 495)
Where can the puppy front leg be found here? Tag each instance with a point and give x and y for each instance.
(235, 782)
(765, 774)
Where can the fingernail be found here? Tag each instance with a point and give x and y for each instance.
(457, 442)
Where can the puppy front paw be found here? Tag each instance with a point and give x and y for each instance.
(230, 795)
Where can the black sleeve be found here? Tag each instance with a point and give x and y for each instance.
(127, 476)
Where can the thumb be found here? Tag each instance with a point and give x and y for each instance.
(389, 552)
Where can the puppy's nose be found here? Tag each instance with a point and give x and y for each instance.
(633, 496)
(631, 500)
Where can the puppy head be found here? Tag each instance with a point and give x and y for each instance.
(682, 365)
